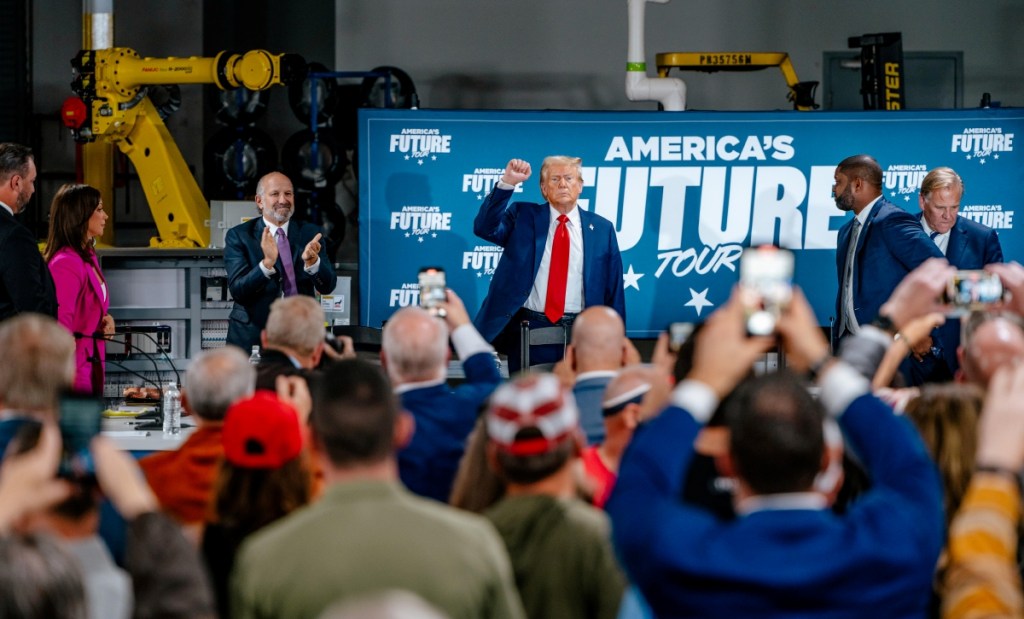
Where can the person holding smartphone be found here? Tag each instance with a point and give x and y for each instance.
(76, 219)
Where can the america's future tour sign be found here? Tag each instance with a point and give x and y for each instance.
(687, 191)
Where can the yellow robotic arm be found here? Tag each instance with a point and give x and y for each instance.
(115, 107)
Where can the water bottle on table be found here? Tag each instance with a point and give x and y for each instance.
(172, 410)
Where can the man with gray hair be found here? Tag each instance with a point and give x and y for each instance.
(183, 479)
(25, 282)
(44, 364)
(270, 257)
(294, 341)
(414, 351)
(967, 245)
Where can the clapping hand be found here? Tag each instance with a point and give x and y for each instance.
(269, 246)
(310, 253)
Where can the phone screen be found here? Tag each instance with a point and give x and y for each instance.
(766, 285)
(678, 333)
(433, 289)
(971, 291)
(80, 420)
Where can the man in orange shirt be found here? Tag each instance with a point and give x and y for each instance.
(183, 479)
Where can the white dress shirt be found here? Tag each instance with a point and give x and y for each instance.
(574, 282)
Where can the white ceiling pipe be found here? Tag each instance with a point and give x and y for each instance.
(669, 91)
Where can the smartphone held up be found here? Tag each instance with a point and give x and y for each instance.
(766, 286)
(433, 290)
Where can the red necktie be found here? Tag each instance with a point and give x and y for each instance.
(558, 273)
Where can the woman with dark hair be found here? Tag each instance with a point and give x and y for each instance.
(265, 475)
(76, 219)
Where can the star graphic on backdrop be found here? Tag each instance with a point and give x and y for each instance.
(479, 274)
(968, 157)
(420, 239)
(699, 300)
(433, 235)
(406, 235)
(631, 279)
(433, 157)
(419, 162)
(906, 198)
(407, 157)
(995, 156)
(894, 194)
(479, 196)
(982, 162)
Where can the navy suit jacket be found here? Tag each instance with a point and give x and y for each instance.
(971, 246)
(589, 394)
(444, 418)
(876, 560)
(252, 291)
(521, 228)
(891, 244)
(25, 281)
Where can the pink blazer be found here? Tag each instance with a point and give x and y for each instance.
(81, 304)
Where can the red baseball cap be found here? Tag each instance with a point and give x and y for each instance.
(261, 432)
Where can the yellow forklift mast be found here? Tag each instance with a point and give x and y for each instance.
(801, 94)
(114, 106)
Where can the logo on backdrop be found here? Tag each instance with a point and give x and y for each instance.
(982, 144)
(991, 215)
(903, 181)
(421, 222)
(483, 259)
(482, 180)
(408, 294)
(420, 144)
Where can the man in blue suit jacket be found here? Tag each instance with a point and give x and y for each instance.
(414, 351)
(528, 233)
(785, 554)
(258, 271)
(967, 245)
(889, 244)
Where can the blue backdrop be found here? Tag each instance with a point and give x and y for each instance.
(686, 191)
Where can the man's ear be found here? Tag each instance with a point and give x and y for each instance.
(630, 416)
(384, 361)
(405, 427)
(263, 339)
(317, 353)
(570, 357)
(184, 402)
(726, 465)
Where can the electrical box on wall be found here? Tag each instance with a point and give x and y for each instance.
(226, 214)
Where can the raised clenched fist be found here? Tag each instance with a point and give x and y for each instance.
(517, 171)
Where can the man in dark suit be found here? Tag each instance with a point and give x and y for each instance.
(414, 351)
(967, 245)
(558, 259)
(785, 554)
(271, 257)
(25, 282)
(875, 250)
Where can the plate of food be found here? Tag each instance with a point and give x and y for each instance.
(141, 395)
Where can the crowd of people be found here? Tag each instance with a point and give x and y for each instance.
(874, 475)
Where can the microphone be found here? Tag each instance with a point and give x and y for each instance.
(99, 335)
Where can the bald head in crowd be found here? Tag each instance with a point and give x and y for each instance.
(414, 346)
(990, 342)
(598, 340)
